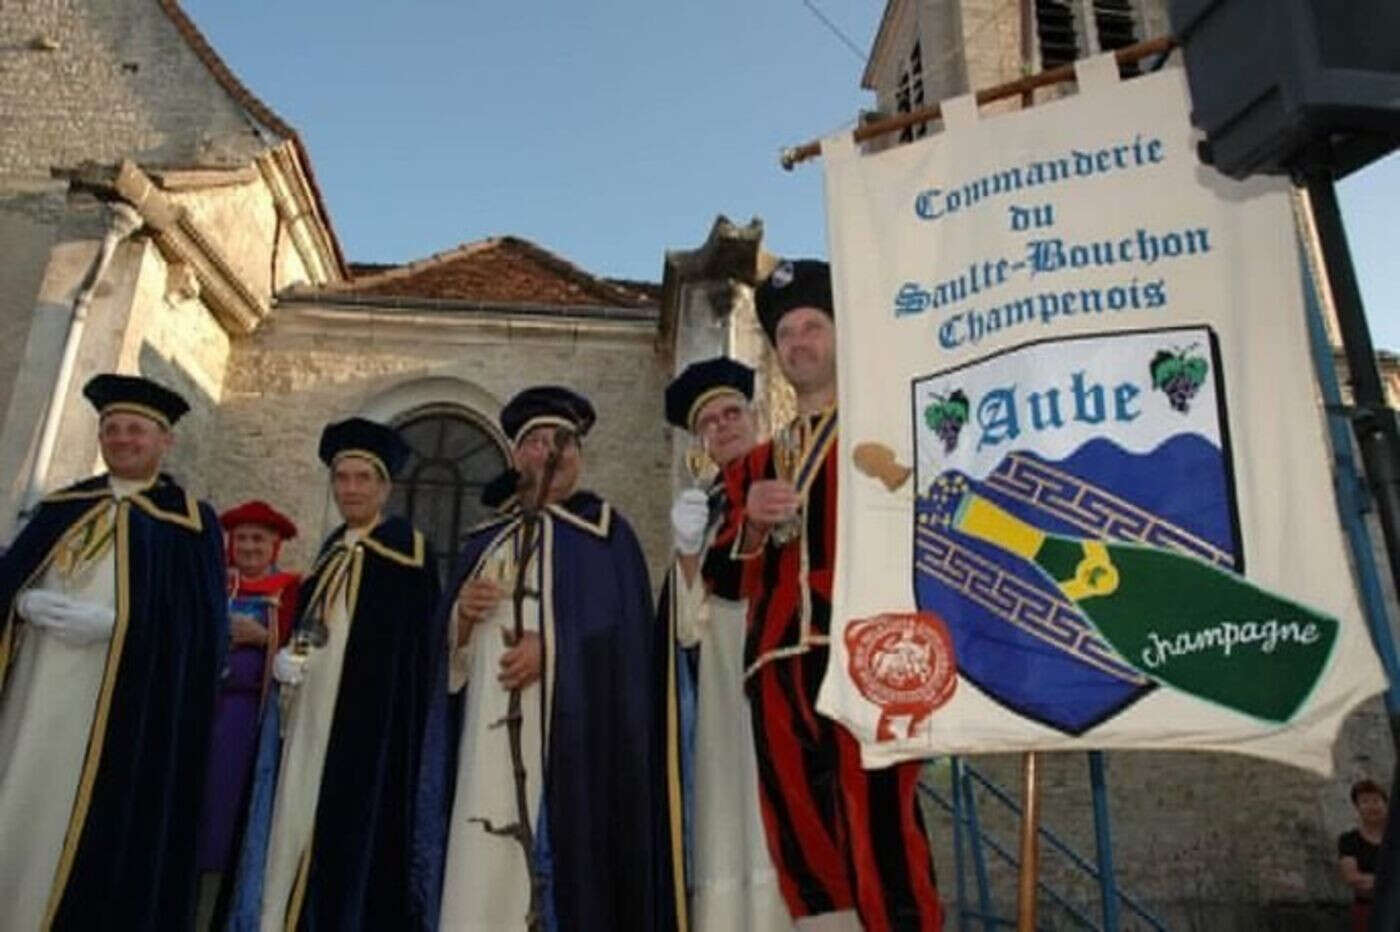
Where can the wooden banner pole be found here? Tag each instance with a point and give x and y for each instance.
(1027, 48)
(1030, 843)
(1159, 46)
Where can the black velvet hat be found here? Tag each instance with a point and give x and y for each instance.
(701, 382)
(546, 404)
(111, 393)
(357, 436)
(793, 283)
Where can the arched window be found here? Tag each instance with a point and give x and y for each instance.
(455, 454)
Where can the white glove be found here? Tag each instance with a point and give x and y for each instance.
(689, 516)
(289, 667)
(67, 618)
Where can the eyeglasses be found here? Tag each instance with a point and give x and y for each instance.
(729, 414)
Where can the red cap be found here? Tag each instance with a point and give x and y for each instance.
(259, 512)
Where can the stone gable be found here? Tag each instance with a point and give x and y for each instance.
(98, 81)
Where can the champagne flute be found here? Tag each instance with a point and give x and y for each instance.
(700, 466)
(787, 459)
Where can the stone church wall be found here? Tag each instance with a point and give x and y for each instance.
(243, 218)
(1207, 842)
(134, 326)
(177, 341)
(94, 80)
(28, 227)
(307, 366)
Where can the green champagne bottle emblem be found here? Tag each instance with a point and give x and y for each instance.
(1180, 620)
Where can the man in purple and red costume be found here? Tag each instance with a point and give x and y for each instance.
(849, 844)
(262, 606)
(113, 627)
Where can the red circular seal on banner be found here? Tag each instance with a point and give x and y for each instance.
(903, 663)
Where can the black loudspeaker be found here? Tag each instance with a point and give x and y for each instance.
(1270, 78)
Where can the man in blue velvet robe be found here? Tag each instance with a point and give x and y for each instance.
(553, 600)
(112, 633)
(327, 841)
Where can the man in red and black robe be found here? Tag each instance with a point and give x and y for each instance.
(843, 838)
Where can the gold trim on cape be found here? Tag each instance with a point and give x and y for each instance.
(544, 574)
(325, 568)
(506, 513)
(805, 638)
(813, 458)
(9, 640)
(505, 531)
(6, 648)
(97, 736)
(599, 528)
(352, 601)
(292, 918)
(512, 515)
(675, 804)
(189, 519)
(102, 491)
(414, 559)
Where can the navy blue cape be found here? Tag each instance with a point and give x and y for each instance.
(605, 796)
(134, 865)
(358, 873)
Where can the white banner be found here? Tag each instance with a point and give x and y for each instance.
(1085, 500)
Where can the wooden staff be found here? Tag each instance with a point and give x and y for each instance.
(1030, 843)
(520, 829)
(1126, 55)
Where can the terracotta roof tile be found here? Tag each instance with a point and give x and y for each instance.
(501, 270)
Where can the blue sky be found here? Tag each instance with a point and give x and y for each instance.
(606, 132)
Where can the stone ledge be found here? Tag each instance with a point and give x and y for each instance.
(237, 308)
(463, 325)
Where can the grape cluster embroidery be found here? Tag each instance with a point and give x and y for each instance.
(946, 417)
(1179, 375)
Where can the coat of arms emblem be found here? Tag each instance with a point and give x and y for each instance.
(1077, 462)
